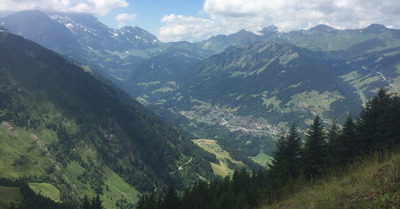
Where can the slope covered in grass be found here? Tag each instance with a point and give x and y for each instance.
(371, 183)
(226, 164)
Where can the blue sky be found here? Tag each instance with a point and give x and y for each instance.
(195, 20)
(148, 13)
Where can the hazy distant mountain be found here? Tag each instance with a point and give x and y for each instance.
(221, 42)
(89, 32)
(39, 27)
(116, 53)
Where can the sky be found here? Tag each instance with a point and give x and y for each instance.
(196, 20)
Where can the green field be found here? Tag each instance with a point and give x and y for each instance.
(262, 159)
(117, 189)
(223, 156)
(46, 190)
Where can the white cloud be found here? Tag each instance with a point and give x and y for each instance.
(179, 28)
(230, 16)
(125, 17)
(99, 7)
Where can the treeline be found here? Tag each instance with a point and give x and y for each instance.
(296, 160)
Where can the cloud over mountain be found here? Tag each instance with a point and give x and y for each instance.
(230, 16)
(180, 20)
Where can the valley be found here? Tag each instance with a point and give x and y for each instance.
(228, 118)
(120, 114)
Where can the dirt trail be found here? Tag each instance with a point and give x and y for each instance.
(181, 167)
(9, 127)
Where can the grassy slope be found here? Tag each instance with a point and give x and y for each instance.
(47, 190)
(373, 183)
(223, 156)
(17, 142)
(262, 159)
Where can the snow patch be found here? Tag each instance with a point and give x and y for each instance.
(69, 25)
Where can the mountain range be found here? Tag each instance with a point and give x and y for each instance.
(62, 124)
(243, 89)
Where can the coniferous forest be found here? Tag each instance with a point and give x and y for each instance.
(296, 161)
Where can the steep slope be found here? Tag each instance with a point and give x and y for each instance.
(62, 126)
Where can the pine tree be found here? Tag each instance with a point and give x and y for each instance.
(96, 203)
(86, 203)
(171, 200)
(293, 146)
(286, 162)
(332, 142)
(333, 131)
(347, 147)
(141, 202)
(187, 200)
(314, 153)
(378, 124)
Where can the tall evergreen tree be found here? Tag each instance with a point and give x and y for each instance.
(286, 163)
(86, 203)
(171, 200)
(333, 131)
(378, 124)
(347, 147)
(293, 146)
(314, 153)
(97, 203)
(332, 142)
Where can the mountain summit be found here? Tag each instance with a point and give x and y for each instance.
(322, 28)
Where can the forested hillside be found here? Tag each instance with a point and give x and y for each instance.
(63, 125)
